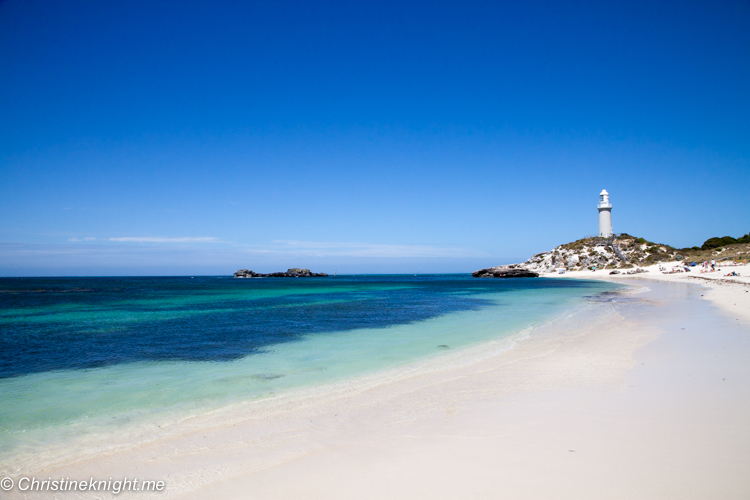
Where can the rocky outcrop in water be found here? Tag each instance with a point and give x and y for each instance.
(511, 271)
(294, 272)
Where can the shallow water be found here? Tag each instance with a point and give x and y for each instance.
(97, 356)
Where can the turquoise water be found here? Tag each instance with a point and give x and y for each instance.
(96, 356)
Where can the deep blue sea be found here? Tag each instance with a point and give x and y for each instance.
(81, 356)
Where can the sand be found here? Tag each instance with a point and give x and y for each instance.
(647, 396)
(730, 293)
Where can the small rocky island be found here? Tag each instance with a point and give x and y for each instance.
(509, 271)
(294, 272)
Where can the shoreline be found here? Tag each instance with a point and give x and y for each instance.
(175, 426)
(731, 294)
(526, 422)
(67, 445)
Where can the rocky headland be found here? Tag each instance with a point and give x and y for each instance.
(619, 252)
(294, 272)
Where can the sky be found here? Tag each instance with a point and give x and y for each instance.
(179, 138)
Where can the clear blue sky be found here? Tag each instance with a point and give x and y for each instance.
(202, 137)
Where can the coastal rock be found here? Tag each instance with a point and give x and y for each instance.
(245, 273)
(511, 271)
(294, 272)
(618, 252)
(637, 270)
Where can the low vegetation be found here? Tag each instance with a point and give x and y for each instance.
(717, 242)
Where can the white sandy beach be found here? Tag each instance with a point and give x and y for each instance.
(730, 293)
(649, 399)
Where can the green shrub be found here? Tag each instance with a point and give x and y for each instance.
(744, 239)
(717, 242)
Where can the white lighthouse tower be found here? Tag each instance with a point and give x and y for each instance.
(605, 215)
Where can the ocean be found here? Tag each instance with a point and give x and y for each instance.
(86, 359)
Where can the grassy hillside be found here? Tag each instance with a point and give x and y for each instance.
(734, 251)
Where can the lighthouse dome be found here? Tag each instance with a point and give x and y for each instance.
(604, 198)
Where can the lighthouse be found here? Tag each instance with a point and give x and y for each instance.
(605, 215)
